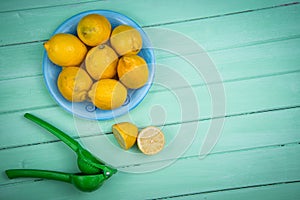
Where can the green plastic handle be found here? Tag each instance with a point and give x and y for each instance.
(83, 182)
(86, 162)
(74, 145)
(32, 173)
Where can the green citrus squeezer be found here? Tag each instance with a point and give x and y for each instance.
(93, 171)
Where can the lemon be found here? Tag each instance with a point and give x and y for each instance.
(133, 71)
(101, 62)
(150, 140)
(65, 50)
(94, 29)
(125, 133)
(74, 83)
(126, 40)
(108, 94)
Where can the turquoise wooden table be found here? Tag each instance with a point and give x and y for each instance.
(226, 95)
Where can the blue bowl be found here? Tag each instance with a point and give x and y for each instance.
(87, 109)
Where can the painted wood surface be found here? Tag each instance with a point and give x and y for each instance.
(255, 48)
(187, 175)
(283, 95)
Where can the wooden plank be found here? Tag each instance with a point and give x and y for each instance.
(29, 62)
(237, 63)
(33, 93)
(8, 6)
(287, 191)
(156, 107)
(246, 28)
(31, 26)
(240, 133)
(236, 5)
(240, 159)
(215, 172)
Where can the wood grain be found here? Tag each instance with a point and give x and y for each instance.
(285, 190)
(254, 47)
(28, 23)
(240, 133)
(216, 172)
(237, 101)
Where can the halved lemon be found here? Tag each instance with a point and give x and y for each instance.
(125, 134)
(151, 140)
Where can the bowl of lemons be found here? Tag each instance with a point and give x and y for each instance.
(98, 64)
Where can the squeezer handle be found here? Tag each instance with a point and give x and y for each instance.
(73, 144)
(33, 173)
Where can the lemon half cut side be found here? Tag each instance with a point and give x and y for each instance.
(151, 140)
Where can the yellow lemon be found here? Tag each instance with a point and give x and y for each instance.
(150, 140)
(125, 133)
(133, 71)
(101, 62)
(126, 40)
(108, 94)
(65, 50)
(94, 29)
(74, 84)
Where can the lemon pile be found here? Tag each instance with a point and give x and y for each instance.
(98, 64)
(150, 140)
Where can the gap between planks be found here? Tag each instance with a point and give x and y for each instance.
(221, 15)
(216, 153)
(51, 6)
(179, 21)
(161, 90)
(229, 189)
(168, 124)
(262, 42)
(194, 157)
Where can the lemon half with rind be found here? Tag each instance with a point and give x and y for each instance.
(125, 134)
